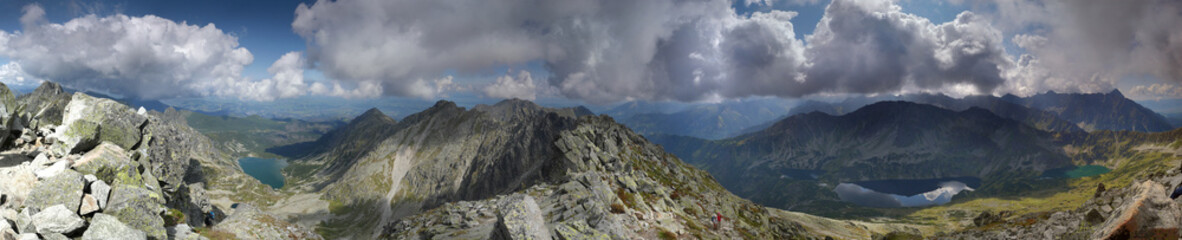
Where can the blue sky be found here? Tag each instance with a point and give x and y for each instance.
(262, 26)
(659, 50)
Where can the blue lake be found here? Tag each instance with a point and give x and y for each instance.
(904, 193)
(268, 171)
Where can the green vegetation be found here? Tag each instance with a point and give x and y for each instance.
(172, 217)
(348, 218)
(665, 234)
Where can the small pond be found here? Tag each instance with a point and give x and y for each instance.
(268, 171)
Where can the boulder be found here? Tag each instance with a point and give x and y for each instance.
(1148, 214)
(139, 208)
(54, 236)
(104, 226)
(65, 189)
(101, 192)
(120, 125)
(170, 146)
(57, 219)
(183, 232)
(28, 236)
(79, 136)
(107, 161)
(89, 205)
(519, 217)
(52, 170)
(7, 229)
(578, 230)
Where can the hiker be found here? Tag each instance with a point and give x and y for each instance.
(1177, 192)
(717, 220)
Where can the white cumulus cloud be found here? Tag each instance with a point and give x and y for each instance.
(522, 86)
(150, 57)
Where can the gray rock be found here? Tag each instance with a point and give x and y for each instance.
(110, 163)
(1148, 214)
(90, 178)
(52, 170)
(101, 192)
(28, 236)
(79, 136)
(139, 208)
(120, 124)
(7, 229)
(65, 189)
(520, 218)
(57, 219)
(104, 226)
(578, 230)
(54, 236)
(183, 232)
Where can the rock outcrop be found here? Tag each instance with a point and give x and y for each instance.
(1148, 214)
(84, 167)
(520, 218)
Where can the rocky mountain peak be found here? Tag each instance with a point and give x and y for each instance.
(48, 88)
(1116, 93)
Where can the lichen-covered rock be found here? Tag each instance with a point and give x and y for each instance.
(119, 124)
(65, 189)
(248, 222)
(171, 147)
(57, 219)
(78, 136)
(104, 226)
(520, 218)
(578, 230)
(105, 156)
(1149, 214)
(139, 208)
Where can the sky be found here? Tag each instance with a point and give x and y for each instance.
(592, 51)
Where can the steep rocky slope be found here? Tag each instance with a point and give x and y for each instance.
(80, 166)
(1131, 202)
(516, 169)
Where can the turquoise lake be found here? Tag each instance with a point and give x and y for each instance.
(265, 170)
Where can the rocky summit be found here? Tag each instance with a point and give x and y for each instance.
(83, 167)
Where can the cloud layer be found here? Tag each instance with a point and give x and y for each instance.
(1089, 45)
(605, 50)
(150, 57)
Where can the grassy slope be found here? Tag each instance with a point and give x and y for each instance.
(1131, 155)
